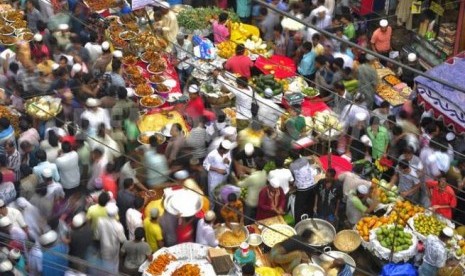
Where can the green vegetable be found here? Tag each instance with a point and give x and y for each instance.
(269, 166)
(199, 18)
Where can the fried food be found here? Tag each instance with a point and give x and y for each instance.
(143, 90)
(98, 5)
(151, 101)
(19, 24)
(230, 238)
(148, 40)
(392, 80)
(127, 35)
(159, 265)
(151, 56)
(13, 16)
(156, 79)
(389, 94)
(132, 70)
(7, 40)
(187, 270)
(162, 88)
(136, 79)
(27, 36)
(157, 68)
(129, 60)
(6, 29)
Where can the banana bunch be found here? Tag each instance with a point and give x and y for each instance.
(227, 49)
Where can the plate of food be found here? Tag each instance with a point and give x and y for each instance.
(193, 268)
(7, 30)
(144, 137)
(8, 40)
(127, 35)
(133, 70)
(26, 36)
(161, 260)
(136, 79)
(143, 89)
(162, 88)
(150, 56)
(152, 101)
(156, 68)
(156, 79)
(12, 16)
(129, 60)
(231, 238)
(310, 92)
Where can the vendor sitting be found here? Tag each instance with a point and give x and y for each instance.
(233, 211)
(289, 253)
(295, 125)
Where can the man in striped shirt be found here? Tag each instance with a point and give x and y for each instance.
(14, 158)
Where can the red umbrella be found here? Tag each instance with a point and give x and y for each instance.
(338, 163)
(282, 67)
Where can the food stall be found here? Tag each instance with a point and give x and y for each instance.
(390, 88)
(445, 102)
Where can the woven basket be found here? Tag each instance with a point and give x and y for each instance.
(347, 241)
(218, 100)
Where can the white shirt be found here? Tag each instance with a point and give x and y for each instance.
(214, 159)
(348, 61)
(110, 232)
(435, 252)
(55, 190)
(284, 176)
(16, 217)
(133, 220)
(347, 116)
(268, 112)
(37, 170)
(303, 174)
(97, 169)
(243, 101)
(205, 234)
(68, 167)
(182, 53)
(95, 51)
(100, 116)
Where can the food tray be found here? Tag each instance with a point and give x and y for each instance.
(271, 238)
(143, 99)
(206, 269)
(391, 79)
(223, 228)
(389, 94)
(43, 107)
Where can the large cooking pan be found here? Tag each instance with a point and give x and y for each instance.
(324, 232)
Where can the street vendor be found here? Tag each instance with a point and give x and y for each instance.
(195, 107)
(168, 23)
(245, 161)
(359, 204)
(435, 255)
(290, 253)
(233, 211)
(295, 125)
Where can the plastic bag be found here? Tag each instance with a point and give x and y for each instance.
(399, 270)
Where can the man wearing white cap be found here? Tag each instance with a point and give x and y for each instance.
(408, 76)
(153, 231)
(54, 252)
(271, 200)
(80, 241)
(103, 63)
(16, 234)
(435, 255)
(110, 232)
(94, 48)
(381, 39)
(218, 165)
(95, 115)
(18, 261)
(351, 114)
(168, 23)
(357, 205)
(205, 233)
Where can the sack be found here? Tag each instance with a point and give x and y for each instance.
(399, 270)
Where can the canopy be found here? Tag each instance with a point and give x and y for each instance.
(337, 163)
(282, 67)
(445, 102)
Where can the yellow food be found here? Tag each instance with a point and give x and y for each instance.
(283, 232)
(230, 238)
(129, 60)
(143, 90)
(151, 101)
(392, 80)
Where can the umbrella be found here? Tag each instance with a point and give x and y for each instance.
(282, 67)
(338, 163)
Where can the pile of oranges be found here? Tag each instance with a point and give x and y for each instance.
(364, 225)
(404, 210)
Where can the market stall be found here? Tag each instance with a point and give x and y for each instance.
(445, 103)
(390, 88)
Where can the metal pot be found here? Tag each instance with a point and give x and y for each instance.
(329, 256)
(324, 228)
(222, 228)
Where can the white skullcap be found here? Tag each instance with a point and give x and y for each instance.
(92, 102)
(117, 54)
(226, 144)
(63, 27)
(105, 45)
(48, 238)
(321, 9)
(228, 131)
(55, 66)
(366, 140)
(14, 254)
(47, 173)
(6, 266)
(2, 203)
(112, 209)
(370, 57)
(274, 182)
(361, 116)
(154, 213)
(268, 92)
(76, 68)
(383, 23)
(181, 175)
(412, 57)
(193, 88)
(210, 215)
(448, 231)
(362, 189)
(21, 202)
(79, 220)
(164, 4)
(450, 136)
(249, 149)
(38, 37)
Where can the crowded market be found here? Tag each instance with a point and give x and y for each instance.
(240, 137)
